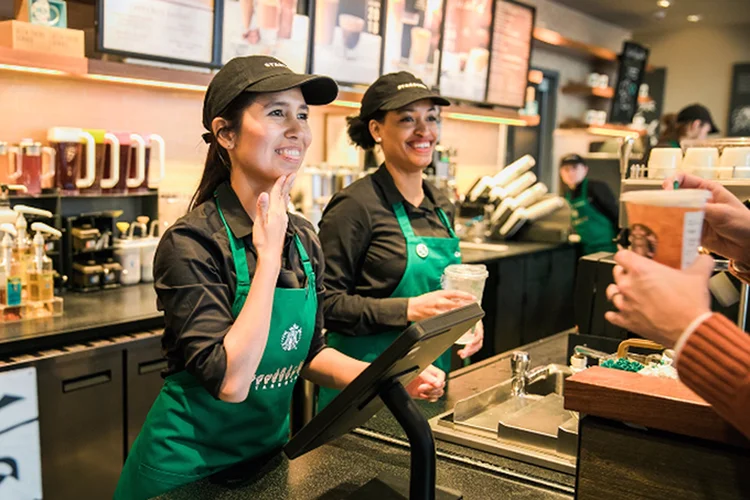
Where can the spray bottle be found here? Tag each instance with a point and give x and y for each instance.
(41, 273)
(10, 274)
(23, 251)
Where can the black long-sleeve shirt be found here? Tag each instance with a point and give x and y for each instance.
(365, 252)
(195, 284)
(601, 197)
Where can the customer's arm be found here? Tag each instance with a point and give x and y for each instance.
(714, 361)
(672, 307)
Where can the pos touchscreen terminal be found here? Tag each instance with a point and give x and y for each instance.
(382, 383)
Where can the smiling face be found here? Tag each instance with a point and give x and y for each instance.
(273, 138)
(408, 135)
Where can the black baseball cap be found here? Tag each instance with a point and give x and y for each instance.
(697, 112)
(262, 74)
(396, 90)
(572, 159)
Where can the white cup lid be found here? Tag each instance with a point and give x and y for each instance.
(674, 198)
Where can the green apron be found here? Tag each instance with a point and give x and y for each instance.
(189, 434)
(596, 231)
(426, 258)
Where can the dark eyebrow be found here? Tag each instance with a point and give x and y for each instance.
(409, 109)
(285, 104)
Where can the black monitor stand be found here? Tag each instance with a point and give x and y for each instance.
(421, 485)
(382, 382)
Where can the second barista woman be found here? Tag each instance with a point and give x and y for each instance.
(388, 237)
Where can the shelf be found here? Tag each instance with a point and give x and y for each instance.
(585, 90)
(552, 39)
(192, 81)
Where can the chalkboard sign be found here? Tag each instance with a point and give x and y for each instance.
(629, 78)
(739, 104)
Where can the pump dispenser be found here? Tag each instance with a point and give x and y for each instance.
(11, 278)
(41, 274)
(23, 251)
(7, 214)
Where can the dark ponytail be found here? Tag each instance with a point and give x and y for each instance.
(217, 167)
(359, 129)
(671, 129)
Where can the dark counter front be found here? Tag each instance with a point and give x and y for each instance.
(85, 317)
(336, 470)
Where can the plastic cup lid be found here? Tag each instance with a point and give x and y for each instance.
(467, 271)
(678, 198)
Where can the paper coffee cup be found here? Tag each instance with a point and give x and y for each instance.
(666, 226)
(469, 278)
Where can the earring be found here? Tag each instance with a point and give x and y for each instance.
(378, 140)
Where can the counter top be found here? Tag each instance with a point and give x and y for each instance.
(515, 248)
(658, 403)
(336, 470)
(85, 317)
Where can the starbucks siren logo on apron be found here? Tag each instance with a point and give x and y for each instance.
(290, 338)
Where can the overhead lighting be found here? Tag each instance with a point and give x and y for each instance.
(694, 18)
(146, 83)
(663, 3)
(30, 69)
(495, 120)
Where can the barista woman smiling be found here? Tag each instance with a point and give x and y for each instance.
(388, 237)
(236, 279)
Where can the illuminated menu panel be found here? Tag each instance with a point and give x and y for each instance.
(347, 43)
(466, 55)
(511, 51)
(180, 31)
(278, 28)
(412, 38)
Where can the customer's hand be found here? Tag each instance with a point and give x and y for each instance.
(434, 303)
(726, 229)
(475, 344)
(429, 385)
(657, 301)
(271, 219)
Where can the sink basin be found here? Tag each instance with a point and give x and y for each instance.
(536, 419)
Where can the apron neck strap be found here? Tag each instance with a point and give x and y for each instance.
(306, 264)
(405, 224)
(585, 188)
(403, 220)
(239, 256)
(446, 221)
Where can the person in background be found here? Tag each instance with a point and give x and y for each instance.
(388, 237)
(693, 122)
(594, 207)
(236, 279)
(672, 307)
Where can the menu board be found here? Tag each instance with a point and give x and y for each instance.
(278, 28)
(170, 30)
(347, 44)
(466, 56)
(739, 103)
(512, 30)
(412, 38)
(629, 78)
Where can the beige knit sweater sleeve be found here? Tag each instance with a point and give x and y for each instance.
(715, 364)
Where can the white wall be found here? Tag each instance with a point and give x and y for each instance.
(699, 62)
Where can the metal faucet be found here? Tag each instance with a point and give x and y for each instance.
(522, 376)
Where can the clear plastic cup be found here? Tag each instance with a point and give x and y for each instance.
(666, 226)
(469, 278)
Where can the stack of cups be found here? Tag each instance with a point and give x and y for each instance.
(701, 162)
(666, 226)
(469, 278)
(735, 163)
(664, 162)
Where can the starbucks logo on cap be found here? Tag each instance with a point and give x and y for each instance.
(422, 250)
